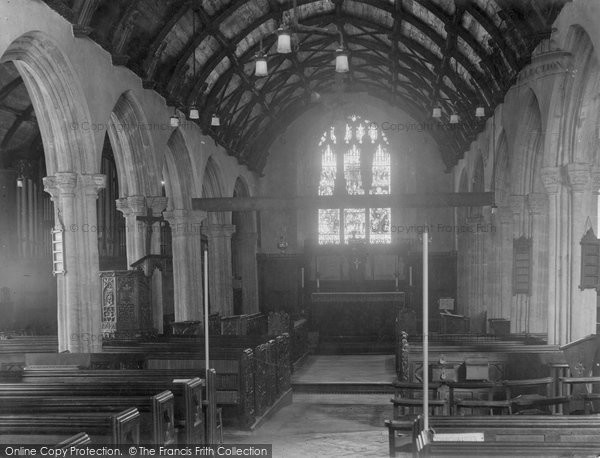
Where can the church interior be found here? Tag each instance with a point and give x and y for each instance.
(300, 228)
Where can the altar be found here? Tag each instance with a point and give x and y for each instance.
(362, 314)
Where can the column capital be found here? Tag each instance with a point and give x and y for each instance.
(157, 204)
(219, 230)
(517, 203)
(537, 202)
(132, 205)
(184, 222)
(580, 176)
(92, 184)
(60, 183)
(552, 179)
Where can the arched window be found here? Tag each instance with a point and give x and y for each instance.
(355, 160)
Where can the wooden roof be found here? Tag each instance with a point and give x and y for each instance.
(415, 54)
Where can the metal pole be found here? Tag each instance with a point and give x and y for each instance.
(426, 330)
(206, 314)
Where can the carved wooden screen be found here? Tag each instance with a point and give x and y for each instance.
(522, 265)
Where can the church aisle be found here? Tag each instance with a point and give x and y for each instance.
(325, 425)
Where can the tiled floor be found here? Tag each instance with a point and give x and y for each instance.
(330, 425)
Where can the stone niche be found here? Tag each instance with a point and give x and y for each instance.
(126, 304)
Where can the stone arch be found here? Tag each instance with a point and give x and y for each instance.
(527, 145)
(500, 178)
(72, 165)
(243, 255)
(60, 106)
(178, 167)
(135, 157)
(212, 186)
(584, 105)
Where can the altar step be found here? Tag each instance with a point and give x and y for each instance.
(343, 388)
(353, 345)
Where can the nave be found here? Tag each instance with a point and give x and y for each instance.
(343, 227)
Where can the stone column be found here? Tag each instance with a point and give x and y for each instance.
(519, 310)
(582, 304)
(135, 235)
(79, 302)
(220, 286)
(557, 319)
(505, 256)
(8, 208)
(157, 205)
(538, 211)
(246, 243)
(476, 297)
(187, 263)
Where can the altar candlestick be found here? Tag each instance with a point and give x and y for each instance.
(410, 276)
(302, 277)
(318, 282)
(397, 281)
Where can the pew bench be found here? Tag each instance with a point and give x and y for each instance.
(121, 428)
(156, 412)
(116, 385)
(74, 441)
(502, 435)
(582, 389)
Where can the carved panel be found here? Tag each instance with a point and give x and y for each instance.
(126, 304)
(247, 388)
(260, 379)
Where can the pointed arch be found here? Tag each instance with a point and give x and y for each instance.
(212, 186)
(59, 103)
(178, 177)
(138, 170)
(500, 180)
(527, 145)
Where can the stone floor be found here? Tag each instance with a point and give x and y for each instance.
(330, 425)
(325, 425)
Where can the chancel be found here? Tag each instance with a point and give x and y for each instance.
(334, 227)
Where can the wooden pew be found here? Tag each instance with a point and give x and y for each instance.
(14, 349)
(265, 368)
(408, 399)
(156, 419)
(118, 386)
(74, 441)
(234, 379)
(506, 360)
(505, 435)
(121, 428)
(585, 394)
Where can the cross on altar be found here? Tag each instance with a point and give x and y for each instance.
(356, 263)
(149, 219)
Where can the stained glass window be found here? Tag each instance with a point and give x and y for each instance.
(345, 225)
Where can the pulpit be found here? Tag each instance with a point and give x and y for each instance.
(126, 304)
